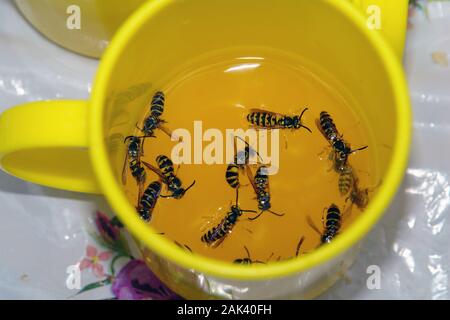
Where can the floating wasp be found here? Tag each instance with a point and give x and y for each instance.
(248, 260)
(272, 120)
(241, 161)
(216, 235)
(167, 173)
(134, 152)
(174, 184)
(341, 148)
(332, 225)
(360, 197)
(153, 121)
(147, 201)
(346, 180)
(260, 184)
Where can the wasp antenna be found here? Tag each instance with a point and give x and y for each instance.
(254, 218)
(276, 214)
(359, 149)
(301, 114)
(127, 138)
(192, 184)
(306, 128)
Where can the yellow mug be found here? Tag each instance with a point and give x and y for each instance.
(77, 145)
(83, 26)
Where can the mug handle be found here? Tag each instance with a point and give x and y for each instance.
(393, 16)
(35, 145)
(47, 143)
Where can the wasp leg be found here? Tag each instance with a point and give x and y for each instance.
(248, 253)
(299, 245)
(285, 140)
(142, 147)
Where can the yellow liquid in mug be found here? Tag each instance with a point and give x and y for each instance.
(219, 91)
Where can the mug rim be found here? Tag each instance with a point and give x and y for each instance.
(168, 250)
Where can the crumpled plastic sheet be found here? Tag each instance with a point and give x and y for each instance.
(409, 245)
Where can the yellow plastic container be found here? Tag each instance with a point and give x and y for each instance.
(77, 145)
(99, 20)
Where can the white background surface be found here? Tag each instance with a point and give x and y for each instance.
(43, 231)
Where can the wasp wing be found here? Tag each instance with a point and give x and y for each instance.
(155, 170)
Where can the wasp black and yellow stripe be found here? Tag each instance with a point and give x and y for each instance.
(223, 228)
(217, 233)
(137, 171)
(263, 119)
(346, 180)
(157, 105)
(166, 166)
(328, 127)
(261, 179)
(332, 224)
(232, 175)
(148, 200)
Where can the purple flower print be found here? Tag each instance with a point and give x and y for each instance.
(136, 282)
